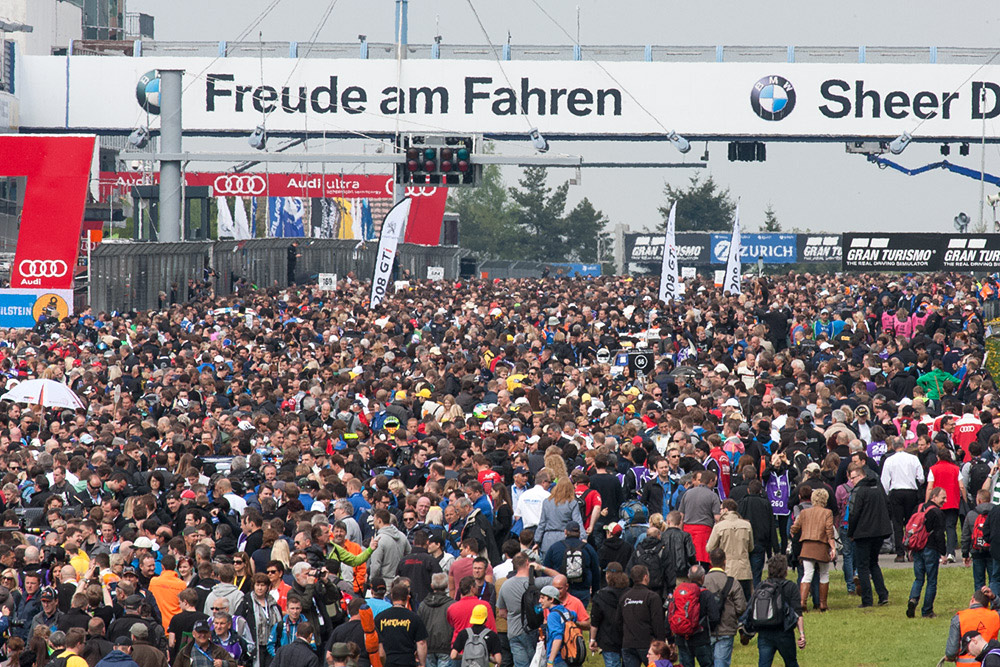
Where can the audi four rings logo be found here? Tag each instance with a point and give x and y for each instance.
(240, 184)
(42, 268)
(421, 192)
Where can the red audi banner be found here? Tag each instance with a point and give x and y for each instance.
(57, 170)
(257, 184)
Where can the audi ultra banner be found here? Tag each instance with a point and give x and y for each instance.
(921, 252)
(373, 186)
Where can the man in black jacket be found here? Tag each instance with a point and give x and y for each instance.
(640, 615)
(925, 562)
(868, 525)
(756, 509)
(299, 653)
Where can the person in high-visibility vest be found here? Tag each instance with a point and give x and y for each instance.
(977, 617)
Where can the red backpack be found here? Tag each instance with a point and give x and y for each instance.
(915, 533)
(684, 611)
(979, 542)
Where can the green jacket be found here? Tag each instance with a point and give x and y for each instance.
(933, 382)
(340, 554)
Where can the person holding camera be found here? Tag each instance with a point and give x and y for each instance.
(316, 590)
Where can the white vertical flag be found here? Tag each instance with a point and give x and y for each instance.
(670, 289)
(392, 231)
(241, 223)
(225, 228)
(732, 281)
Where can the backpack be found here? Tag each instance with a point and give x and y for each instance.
(979, 472)
(915, 534)
(475, 653)
(531, 609)
(573, 564)
(684, 611)
(574, 647)
(632, 511)
(979, 542)
(642, 475)
(650, 553)
(58, 662)
(766, 607)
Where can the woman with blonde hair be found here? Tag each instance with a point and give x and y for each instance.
(558, 511)
(814, 526)
(557, 466)
(280, 551)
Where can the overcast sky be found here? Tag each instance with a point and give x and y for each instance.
(816, 186)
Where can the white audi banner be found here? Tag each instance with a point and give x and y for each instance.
(581, 98)
(392, 231)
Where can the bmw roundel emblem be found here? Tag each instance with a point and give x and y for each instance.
(772, 97)
(147, 92)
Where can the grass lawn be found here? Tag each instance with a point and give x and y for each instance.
(846, 635)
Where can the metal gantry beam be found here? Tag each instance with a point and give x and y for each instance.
(399, 158)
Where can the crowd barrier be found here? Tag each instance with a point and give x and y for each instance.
(140, 276)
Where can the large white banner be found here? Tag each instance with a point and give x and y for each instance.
(344, 96)
(392, 231)
(669, 283)
(732, 283)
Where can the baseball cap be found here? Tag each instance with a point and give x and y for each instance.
(128, 569)
(49, 593)
(143, 543)
(812, 467)
(488, 426)
(614, 529)
(340, 649)
(550, 592)
(966, 638)
(520, 471)
(133, 602)
(139, 630)
(202, 626)
(479, 615)
(123, 640)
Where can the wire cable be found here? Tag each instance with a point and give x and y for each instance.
(602, 68)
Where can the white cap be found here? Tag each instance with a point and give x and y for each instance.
(690, 402)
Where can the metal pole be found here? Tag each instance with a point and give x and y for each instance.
(171, 131)
(982, 165)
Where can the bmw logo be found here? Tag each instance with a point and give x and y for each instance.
(772, 97)
(147, 92)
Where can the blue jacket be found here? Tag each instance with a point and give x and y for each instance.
(555, 628)
(117, 659)
(591, 563)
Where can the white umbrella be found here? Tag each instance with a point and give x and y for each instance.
(48, 393)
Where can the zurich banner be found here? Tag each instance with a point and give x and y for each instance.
(772, 248)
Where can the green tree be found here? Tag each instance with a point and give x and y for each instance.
(702, 207)
(588, 240)
(486, 216)
(540, 217)
(771, 223)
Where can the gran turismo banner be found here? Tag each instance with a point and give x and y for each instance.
(344, 97)
(921, 252)
(692, 248)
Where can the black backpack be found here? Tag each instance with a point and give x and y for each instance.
(766, 608)
(58, 662)
(650, 553)
(531, 608)
(979, 473)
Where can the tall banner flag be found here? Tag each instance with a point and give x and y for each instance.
(670, 289)
(732, 282)
(226, 228)
(392, 231)
(367, 224)
(241, 223)
(285, 216)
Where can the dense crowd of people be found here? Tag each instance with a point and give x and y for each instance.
(515, 472)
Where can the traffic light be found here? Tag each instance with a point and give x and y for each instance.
(439, 161)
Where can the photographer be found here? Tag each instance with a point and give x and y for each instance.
(316, 590)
